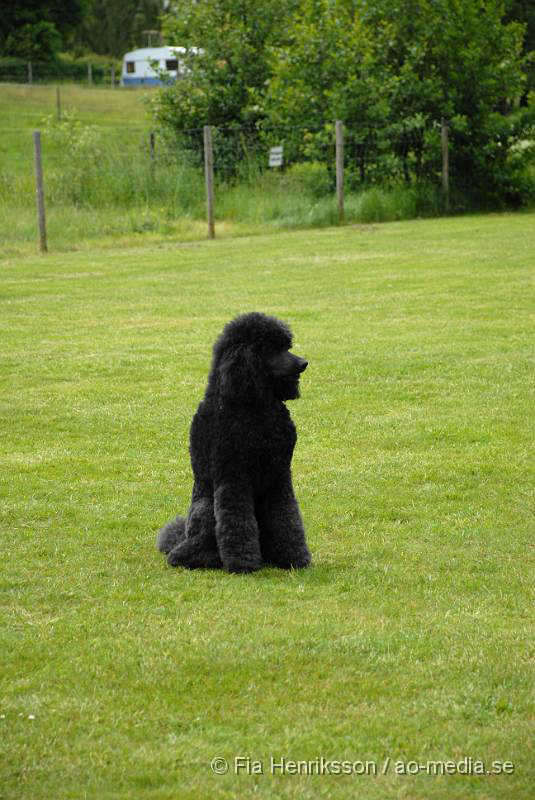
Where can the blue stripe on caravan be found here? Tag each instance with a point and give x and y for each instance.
(145, 81)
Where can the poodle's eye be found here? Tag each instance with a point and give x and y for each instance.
(277, 361)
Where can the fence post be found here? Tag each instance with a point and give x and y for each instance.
(209, 179)
(39, 191)
(58, 103)
(445, 164)
(340, 168)
(151, 154)
(89, 74)
(30, 72)
(113, 77)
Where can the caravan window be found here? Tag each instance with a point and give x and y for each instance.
(130, 66)
(171, 64)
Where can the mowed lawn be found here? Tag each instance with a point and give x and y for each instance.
(411, 636)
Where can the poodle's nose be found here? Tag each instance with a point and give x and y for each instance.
(302, 365)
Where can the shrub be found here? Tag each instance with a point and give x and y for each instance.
(313, 177)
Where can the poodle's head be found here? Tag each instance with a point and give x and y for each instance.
(252, 363)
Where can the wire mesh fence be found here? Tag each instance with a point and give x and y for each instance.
(85, 72)
(87, 163)
(285, 175)
(372, 155)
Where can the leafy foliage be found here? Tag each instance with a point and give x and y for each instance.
(523, 11)
(36, 28)
(228, 44)
(113, 27)
(36, 41)
(459, 61)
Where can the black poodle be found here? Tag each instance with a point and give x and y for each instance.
(243, 509)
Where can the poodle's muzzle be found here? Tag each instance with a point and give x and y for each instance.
(287, 365)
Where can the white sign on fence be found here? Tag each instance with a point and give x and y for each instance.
(275, 156)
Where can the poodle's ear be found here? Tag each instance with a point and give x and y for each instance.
(241, 375)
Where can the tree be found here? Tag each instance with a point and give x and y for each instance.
(451, 56)
(228, 45)
(356, 59)
(523, 11)
(459, 60)
(328, 69)
(34, 28)
(34, 42)
(112, 27)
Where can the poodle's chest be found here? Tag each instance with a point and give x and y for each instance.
(274, 442)
(262, 444)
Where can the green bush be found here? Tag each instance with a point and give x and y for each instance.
(313, 177)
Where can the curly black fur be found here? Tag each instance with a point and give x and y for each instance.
(243, 509)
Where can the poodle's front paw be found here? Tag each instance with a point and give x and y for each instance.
(298, 560)
(242, 566)
(300, 563)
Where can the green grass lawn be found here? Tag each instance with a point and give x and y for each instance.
(410, 637)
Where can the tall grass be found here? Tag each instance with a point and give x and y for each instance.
(89, 168)
(105, 182)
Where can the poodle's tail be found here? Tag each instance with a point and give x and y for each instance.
(171, 534)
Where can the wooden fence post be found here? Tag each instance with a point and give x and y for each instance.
(152, 154)
(445, 164)
(340, 168)
(58, 103)
(89, 75)
(39, 191)
(113, 77)
(30, 72)
(209, 179)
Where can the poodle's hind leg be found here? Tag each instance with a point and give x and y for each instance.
(282, 534)
(171, 534)
(193, 555)
(198, 549)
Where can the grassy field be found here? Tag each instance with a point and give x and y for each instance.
(411, 636)
(24, 107)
